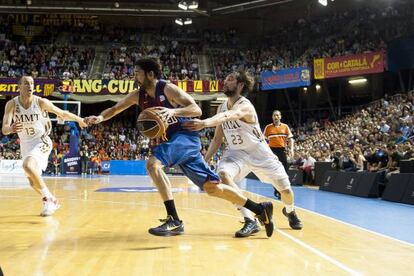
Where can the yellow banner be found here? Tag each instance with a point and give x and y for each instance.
(319, 68)
(182, 85)
(198, 86)
(214, 86)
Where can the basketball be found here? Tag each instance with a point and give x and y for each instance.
(150, 123)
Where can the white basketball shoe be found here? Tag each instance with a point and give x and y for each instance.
(49, 206)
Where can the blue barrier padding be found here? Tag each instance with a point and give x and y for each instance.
(121, 167)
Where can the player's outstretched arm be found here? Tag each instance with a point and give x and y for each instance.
(243, 111)
(214, 144)
(108, 113)
(7, 126)
(48, 106)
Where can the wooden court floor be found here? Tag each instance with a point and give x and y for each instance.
(105, 233)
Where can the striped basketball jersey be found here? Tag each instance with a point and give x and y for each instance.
(277, 135)
(36, 122)
(160, 99)
(239, 134)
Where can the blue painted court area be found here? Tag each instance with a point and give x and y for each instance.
(388, 218)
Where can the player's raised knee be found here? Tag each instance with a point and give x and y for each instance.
(211, 188)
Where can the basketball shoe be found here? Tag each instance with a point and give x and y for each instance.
(170, 227)
(49, 206)
(249, 228)
(294, 221)
(266, 217)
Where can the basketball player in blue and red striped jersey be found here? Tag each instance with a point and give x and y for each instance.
(181, 148)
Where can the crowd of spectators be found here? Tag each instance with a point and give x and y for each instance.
(374, 139)
(178, 61)
(297, 44)
(44, 61)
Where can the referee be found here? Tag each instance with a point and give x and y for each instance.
(280, 138)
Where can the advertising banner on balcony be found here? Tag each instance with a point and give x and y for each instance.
(351, 65)
(45, 87)
(285, 78)
(42, 87)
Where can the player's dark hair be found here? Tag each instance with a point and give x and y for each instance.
(148, 65)
(245, 78)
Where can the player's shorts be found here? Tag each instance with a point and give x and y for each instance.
(39, 149)
(262, 162)
(183, 149)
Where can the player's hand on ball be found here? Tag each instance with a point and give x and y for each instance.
(16, 127)
(194, 125)
(165, 113)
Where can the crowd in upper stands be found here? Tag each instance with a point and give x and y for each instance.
(179, 62)
(44, 61)
(297, 44)
(293, 44)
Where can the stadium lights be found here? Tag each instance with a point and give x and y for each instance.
(323, 2)
(183, 5)
(358, 81)
(179, 21)
(182, 22)
(193, 5)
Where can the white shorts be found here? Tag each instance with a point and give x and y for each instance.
(263, 163)
(39, 149)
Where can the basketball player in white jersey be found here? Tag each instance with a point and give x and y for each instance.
(27, 115)
(237, 122)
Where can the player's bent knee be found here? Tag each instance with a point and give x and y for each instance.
(28, 166)
(287, 191)
(224, 175)
(212, 188)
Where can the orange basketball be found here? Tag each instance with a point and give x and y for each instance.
(150, 123)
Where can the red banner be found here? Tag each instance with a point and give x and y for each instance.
(351, 65)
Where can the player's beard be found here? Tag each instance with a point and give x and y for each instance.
(230, 93)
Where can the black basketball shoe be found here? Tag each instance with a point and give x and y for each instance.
(170, 227)
(266, 217)
(294, 221)
(249, 228)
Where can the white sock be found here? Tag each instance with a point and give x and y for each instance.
(289, 208)
(46, 193)
(246, 213)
